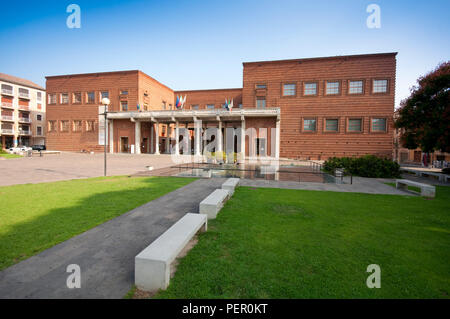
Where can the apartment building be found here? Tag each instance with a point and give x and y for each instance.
(312, 108)
(23, 112)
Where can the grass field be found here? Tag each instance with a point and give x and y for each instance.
(34, 217)
(273, 243)
(8, 156)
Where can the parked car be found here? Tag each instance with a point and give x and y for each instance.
(19, 149)
(38, 147)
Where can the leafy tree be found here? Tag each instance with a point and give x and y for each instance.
(424, 117)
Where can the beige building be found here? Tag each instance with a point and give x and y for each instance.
(23, 109)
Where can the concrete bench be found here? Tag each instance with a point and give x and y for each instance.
(152, 265)
(230, 184)
(212, 204)
(425, 189)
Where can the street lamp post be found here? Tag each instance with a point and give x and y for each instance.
(105, 102)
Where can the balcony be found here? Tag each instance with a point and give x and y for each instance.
(7, 131)
(8, 118)
(23, 95)
(24, 108)
(7, 92)
(24, 132)
(7, 105)
(24, 120)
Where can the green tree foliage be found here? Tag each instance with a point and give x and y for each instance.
(424, 117)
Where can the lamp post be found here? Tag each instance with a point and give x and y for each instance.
(105, 102)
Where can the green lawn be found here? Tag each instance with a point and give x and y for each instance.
(273, 243)
(34, 217)
(7, 155)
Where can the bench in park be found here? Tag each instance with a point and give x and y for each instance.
(444, 178)
(152, 265)
(425, 189)
(230, 184)
(212, 204)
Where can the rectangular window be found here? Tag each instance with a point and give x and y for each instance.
(77, 126)
(90, 97)
(209, 106)
(355, 87)
(90, 126)
(51, 126)
(124, 106)
(379, 86)
(310, 88)
(260, 102)
(289, 89)
(52, 98)
(332, 87)
(331, 125)
(39, 117)
(355, 125)
(261, 86)
(39, 96)
(379, 125)
(7, 89)
(39, 130)
(163, 106)
(124, 92)
(104, 94)
(309, 125)
(194, 107)
(64, 98)
(76, 97)
(64, 126)
(240, 106)
(24, 93)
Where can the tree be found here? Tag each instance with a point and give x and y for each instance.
(424, 117)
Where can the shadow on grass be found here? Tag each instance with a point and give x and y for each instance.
(69, 210)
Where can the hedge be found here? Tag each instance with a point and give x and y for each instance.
(366, 166)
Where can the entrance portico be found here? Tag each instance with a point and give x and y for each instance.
(238, 131)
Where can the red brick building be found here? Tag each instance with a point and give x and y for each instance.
(304, 108)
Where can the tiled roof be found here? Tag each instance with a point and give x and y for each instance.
(19, 81)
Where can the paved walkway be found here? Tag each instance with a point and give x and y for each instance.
(105, 253)
(360, 185)
(64, 166)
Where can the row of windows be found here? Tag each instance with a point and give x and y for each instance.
(76, 97)
(354, 125)
(74, 126)
(331, 87)
(25, 93)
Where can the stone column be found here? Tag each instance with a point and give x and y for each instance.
(243, 137)
(197, 137)
(167, 138)
(177, 138)
(111, 136)
(156, 138)
(219, 137)
(137, 137)
(277, 139)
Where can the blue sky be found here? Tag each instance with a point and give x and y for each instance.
(202, 44)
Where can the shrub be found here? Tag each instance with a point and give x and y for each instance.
(446, 170)
(366, 166)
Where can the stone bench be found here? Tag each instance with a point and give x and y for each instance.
(230, 184)
(212, 204)
(425, 189)
(152, 265)
(440, 176)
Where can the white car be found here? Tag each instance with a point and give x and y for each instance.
(19, 149)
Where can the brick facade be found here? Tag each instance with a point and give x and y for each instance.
(268, 84)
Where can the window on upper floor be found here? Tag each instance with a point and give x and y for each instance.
(104, 94)
(378, 125)
(331, 125)
(124, 92)
(39, 96)
(194, 107)
(355, 125)
(332, 88)
(39, 117)
(355, 87)
(90, 97)
(289, 89)
(261, 86)
(309, 125)
(210, 106)
(39, 130)
(310, 88)
(77, 126)
(24, 93)
(240, 105)
(76, 97)
(7, 89)
(124, 106)
(90, 126)
(64, 126)
(260, 102)
(163, 106)
(51, 98)
(380, 86)
(64, 98)
(51, 126)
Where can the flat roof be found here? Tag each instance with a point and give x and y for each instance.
(226, 89)
(19, 81)
(322, 58)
